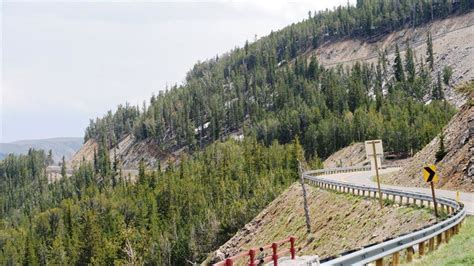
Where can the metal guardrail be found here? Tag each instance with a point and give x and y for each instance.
(348, 169)
(456, 213)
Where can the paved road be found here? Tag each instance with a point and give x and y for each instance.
(364, 178)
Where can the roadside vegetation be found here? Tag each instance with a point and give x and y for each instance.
(339, 222)
(459, 250)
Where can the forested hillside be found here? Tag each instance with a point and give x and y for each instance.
(272, 92)
(165, 218)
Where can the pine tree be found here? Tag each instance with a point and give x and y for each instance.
(91, 252)
(141, 172)
(429, 51)
(437, 93)
(410, 65)
(63, 167)
(441, 150)
(49, 160)
(398, 66)
(96, 162)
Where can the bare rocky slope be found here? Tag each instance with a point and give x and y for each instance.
(129, 152)
(453, 45)
(339, 222)
(352, 155)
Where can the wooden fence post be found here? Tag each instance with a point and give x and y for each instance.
(431, 244)
(410, 252)
(379, 262)
(421, 248)
(396, 259)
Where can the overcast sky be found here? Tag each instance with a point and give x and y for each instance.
(66, 62)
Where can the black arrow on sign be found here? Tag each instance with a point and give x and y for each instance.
(432, 174)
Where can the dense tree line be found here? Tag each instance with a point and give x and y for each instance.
(23, 181)
(163, 218)
(270, 89)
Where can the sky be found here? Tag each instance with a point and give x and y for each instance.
(65, 62)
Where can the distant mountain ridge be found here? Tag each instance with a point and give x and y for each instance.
(66, 146)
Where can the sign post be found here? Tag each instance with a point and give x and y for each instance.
(376, 151)
(430, 176)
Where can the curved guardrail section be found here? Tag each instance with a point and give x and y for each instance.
(393, 247)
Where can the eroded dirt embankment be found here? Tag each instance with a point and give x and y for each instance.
(339, 222)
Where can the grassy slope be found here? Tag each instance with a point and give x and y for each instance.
(459, 250)
(339, 222)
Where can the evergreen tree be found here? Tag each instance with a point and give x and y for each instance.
(410, 64)
(429, 51)
(441, 150)
(141, 172)
(49, 160)
(437, 93)
(398, 66)
(63, 167)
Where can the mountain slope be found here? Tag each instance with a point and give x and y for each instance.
(453, 46)
(66, 147)
(280, 99)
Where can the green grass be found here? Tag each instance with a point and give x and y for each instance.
(459, 250)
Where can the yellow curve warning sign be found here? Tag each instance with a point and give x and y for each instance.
(429, 174)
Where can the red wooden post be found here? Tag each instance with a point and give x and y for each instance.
(292, 248)
(275, 255)
(252, 257)
(229, 262)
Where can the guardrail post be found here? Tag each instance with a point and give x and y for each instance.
(421, 248)
(439, 239)
(431, 244)
(401, 200)
(396, 259)
(292, 247)
(252, 257)
(410, 252)
(446, 235)
(275, 254)
(229, 262)
(379, 262)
